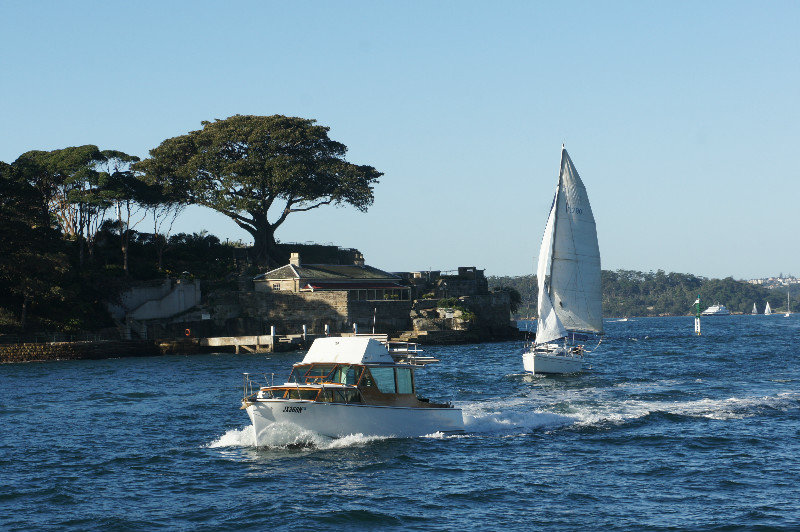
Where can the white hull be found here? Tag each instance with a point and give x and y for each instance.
(337, 420)
(551, 363)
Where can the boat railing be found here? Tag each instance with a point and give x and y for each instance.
(252, 385)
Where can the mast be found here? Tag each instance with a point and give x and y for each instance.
(555, 223)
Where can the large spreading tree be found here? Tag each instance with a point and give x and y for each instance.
(257, 170)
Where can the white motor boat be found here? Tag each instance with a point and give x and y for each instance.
(350, 385)
(568, 275)
(716, 310)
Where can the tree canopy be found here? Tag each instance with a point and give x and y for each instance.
(259, 169)
(634, 293)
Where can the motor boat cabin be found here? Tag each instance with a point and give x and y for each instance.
(351, 385)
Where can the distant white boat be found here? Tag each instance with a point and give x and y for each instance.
(716, 310)
(755, 310)
(767, 311)
(568, 273)
(788, 307)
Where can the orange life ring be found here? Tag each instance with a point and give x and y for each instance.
(188, 332)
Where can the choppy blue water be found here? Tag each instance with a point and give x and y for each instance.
(666, 431)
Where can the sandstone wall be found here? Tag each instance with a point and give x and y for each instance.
(75, 350)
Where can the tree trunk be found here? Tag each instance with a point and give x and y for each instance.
(161, 244)
(264, 244)
(125, 239)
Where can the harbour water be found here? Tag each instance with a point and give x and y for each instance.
(666, 431)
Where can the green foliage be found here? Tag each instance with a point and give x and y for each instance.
(244, 166)
(32, 258)
(448, 302)
(634, 293)
(515, 298)
(456, 304)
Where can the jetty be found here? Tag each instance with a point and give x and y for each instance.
(266, 343)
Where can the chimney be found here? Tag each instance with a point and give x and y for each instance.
(358, 260)
(294, 259)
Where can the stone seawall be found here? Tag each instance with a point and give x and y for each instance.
(76, 351)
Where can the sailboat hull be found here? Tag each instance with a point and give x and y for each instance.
(551, 363)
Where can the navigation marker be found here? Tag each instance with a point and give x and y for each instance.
(697, 316)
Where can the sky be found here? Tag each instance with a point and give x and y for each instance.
(681, 117)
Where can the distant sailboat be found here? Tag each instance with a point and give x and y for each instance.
(788, 307)
(767, 311)
(568, 274)
(755, 310)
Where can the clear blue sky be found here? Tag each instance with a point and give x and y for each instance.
(682, 117)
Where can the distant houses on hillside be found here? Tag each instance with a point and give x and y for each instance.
(775, 282)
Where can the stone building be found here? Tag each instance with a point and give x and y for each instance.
(362, 282)
(336, 295)
(468, 281)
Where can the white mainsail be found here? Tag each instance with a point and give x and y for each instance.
(755, 310)
(570, 298)
(767, 310)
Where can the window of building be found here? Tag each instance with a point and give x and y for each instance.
(276, 286)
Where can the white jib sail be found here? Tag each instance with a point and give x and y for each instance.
(767, 310)
(575, 290)
(755, 311)
(548, 327)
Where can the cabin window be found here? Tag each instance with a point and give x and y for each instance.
(384, 378)
(344, 375)
(308, 395)
(404, 382)
(366, 379)
(332, 395)
(318, 372)
(350, 396)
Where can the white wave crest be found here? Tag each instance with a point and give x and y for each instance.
(511, 415)
(285, 435)
(243, 437)
(522, 415)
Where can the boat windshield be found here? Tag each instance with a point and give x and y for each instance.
(346, 374)
(317, 372)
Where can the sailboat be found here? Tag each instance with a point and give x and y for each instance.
(788, 307)
(755, 310)
(568, 276)
(767, 311)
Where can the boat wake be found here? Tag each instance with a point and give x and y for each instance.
(287, 436)
(577, 410)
